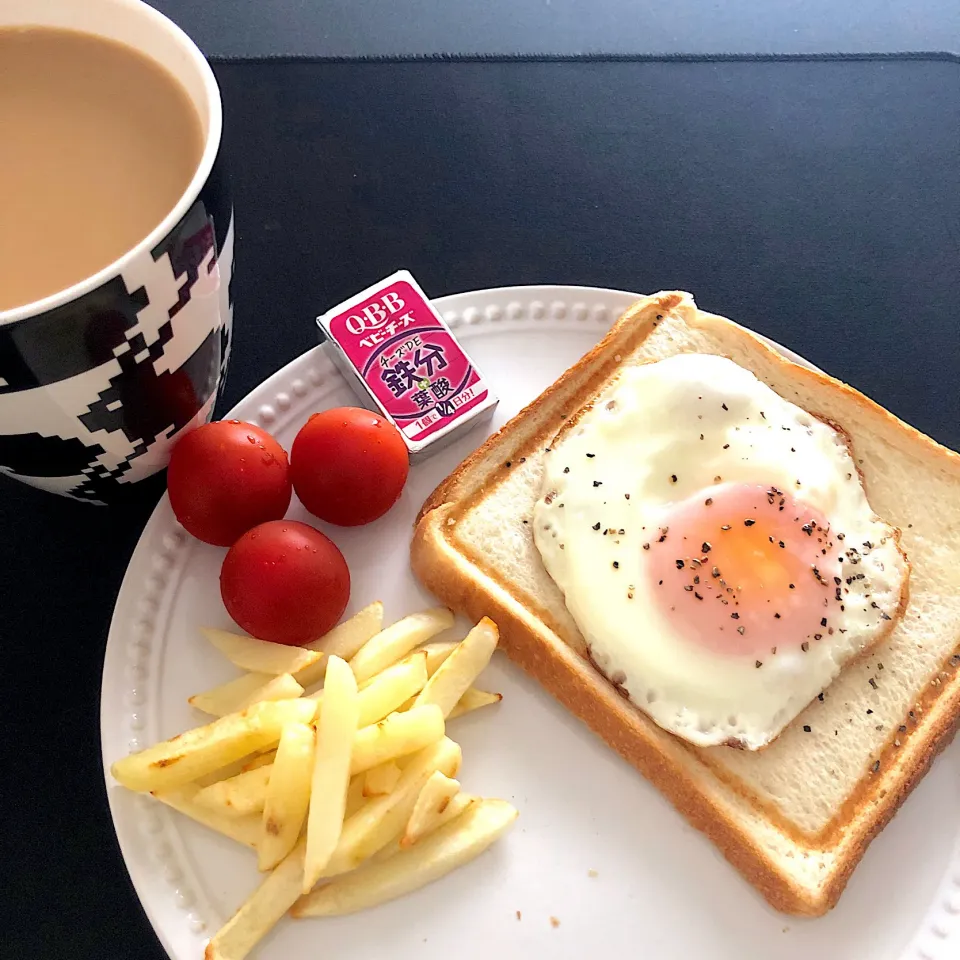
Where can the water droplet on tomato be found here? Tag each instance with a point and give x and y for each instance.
(252, 438)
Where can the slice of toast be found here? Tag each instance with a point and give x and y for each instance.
(796, 817)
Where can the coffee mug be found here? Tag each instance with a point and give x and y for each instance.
(98, 381)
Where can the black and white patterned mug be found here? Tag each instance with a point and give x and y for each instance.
(98, 381)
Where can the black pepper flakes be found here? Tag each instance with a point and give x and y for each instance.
(597, 483)
(758, 664)
(680, 564)
(749, 523)
(673, 478)
(596, 526)
(876, 766)
(616, 565)
(806, 728)
(805, 646)
(566, 469)
(591, 455)
(705, 546)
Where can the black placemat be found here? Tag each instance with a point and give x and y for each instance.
(814, 201)
(379, 28)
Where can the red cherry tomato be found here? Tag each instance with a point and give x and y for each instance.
(226, 477)
(286, 582)
(348, 465)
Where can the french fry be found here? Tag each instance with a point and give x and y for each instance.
(237, 796)
(453, 809)
(383, 693)
(474, 699)
(235, 691)
(437, 652)
(397, 640)
(381, 819)
(244, 791)
(453, 845)
(355, 797)
(260, 656)
(336, 732)
(343, 641)
(287, 794)
(261, 911)
(432, 801)
(263, 760)
(197, 752)
(378, 781)
(244, 830)
(455, 675)
(395, 736)
(245, 691)
(242, 765)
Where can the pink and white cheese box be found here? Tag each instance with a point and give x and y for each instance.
(401, 358)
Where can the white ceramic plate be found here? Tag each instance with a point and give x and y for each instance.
(660, 890)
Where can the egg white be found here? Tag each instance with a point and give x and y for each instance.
(644, 431)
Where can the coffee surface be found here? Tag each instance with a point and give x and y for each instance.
(97, 144)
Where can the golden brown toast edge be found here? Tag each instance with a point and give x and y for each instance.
(548, 657)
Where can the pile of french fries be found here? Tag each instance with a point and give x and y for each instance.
(331, 762)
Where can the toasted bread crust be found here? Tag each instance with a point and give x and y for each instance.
(464, 584)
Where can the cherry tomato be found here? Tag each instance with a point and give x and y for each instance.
(286, 582)
(226, 477)
(348, 465)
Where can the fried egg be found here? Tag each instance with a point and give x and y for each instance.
(715, 547)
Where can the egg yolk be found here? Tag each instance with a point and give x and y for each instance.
(744, 569)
